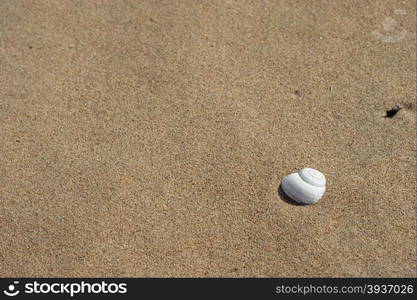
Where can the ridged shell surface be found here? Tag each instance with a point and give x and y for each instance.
(306, 187)
(312, 177)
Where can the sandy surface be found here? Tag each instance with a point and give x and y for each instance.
(149, 138)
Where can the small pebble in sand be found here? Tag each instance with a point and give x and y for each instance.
(393, 111)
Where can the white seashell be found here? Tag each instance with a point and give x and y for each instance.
(306, 187)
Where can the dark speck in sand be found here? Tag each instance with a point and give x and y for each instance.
(393, 111)
(297, 93)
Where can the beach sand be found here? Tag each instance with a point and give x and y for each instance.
(149, 138)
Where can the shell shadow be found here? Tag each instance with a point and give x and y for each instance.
(287, 199)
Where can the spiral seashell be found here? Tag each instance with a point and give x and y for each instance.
(306, 186)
